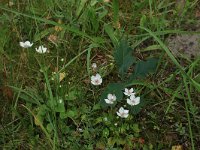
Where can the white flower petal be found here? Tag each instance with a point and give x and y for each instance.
(126, 90)
(119, 114)
(137, 100)
(121, 110)
(100, 81)
(110, 96)
(132, 97)
(114, 97)
(108, 101)
(126, 111)
(21, 44)
(98, 76)
(129, 101)
(125, 115)
(131, 90)
(92, 77)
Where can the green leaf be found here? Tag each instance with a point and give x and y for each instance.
(81, 6)
(135, 127)
(123, 57)
(143, 68)
(110, 31)
(143, 20)
(30, 95)
(60, 107)
(42, 110)
(72, 113)
(93, 19)
(113, 88)
(74, 93)
(115, 6)
(49, 127)
(63, 115)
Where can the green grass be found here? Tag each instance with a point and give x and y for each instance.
(41, 110)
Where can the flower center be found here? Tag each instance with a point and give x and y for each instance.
(96, 81)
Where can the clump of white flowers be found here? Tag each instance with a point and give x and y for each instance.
(96, 79)
(132, 100)
(25, 44)
(41, 49)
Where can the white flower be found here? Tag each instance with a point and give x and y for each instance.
(41, 49)
(26, 44)
(111, 99)
(129, 92)
(123, 113)
(94, 66)
(133, 100)
(62, 59)
(96, 80)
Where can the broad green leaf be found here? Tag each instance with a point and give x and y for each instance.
(143, 68)
(123, 57)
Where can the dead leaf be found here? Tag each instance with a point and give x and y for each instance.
(197, 14)
(177, 147)
(180, 5)
(7, 92)
(62, 76)
(58, 28)
(53, 38)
